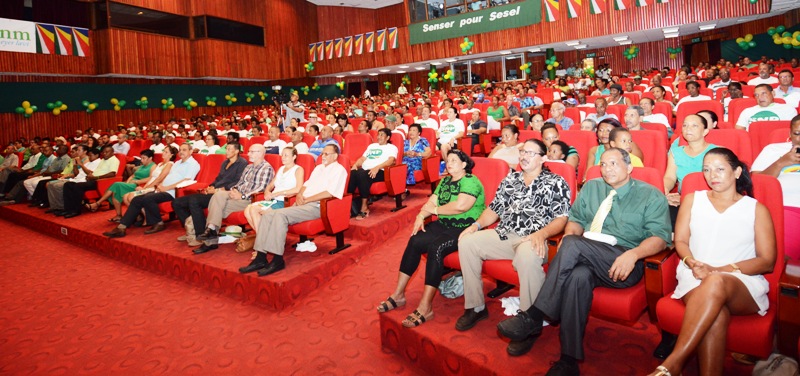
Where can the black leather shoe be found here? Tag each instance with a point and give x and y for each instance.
(666, 345)
(44, 205)
(115, 233)
(470, 318)
(254, 266)
(50, 210)
(518, 348)
(158, 227)
(561, 368)
(272, 267)
(519, 327)
(205, 248)
(59, 213)
(208, 235)
(71, 215)
(34, 204)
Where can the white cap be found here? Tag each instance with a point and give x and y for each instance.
(113, 138)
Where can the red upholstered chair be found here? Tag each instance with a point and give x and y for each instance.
(209, 169)
(760, 132)
(394, 183)
(355, 145)
(582, 141)
(738, 140)
(136, 147)
(255, 140)
(751, 334)
(334, 216)
(103, 184)
(308, 139)
(618, 110)
(736, 107)
(626, 305)
(634, 97)
(654, 148)
(573, 113)
(527, 135)
(274, 160)
(656, 127)
(690, 108)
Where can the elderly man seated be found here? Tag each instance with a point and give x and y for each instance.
(765, 110)
(325, 139)
(184, 170)
(327, 180)
(557, 116)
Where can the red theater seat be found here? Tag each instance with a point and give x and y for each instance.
(582, 141)
(760, 132)
(394, 183)
(690, 108)
(103, 184)
(654, 148)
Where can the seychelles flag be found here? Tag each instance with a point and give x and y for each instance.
(597, 6)
(81, 38)
(551, 10)
(359, 41)
(45, 39)
(370, 41)
(573, 8)
(621, 4)
(393, 37)
(338, 46)
(348, 45)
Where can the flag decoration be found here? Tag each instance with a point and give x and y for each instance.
(348, 45)
(380, 37)
(551, 10)
(393, 37)
(338, 46)
(45, 39)
(64, 40)
(597, 6)
(32, 37)
(81, 44)
(369, 39)
(642, 3)
(329, 49)
(359, 40)
(312, 52)
(573, 8)
(662, 1)
(621, 4)
(320, 51)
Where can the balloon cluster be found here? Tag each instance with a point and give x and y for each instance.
(189, 104)
(90, 106)
(142, 103)
(167, 104)
(387, 85)
(525, 67)
(315, 87)
(746, 43)
(753, 1)
(589, 71)
(782, 37)
(631, 52)
(231, 98)
(211, 101)
(433, 77)
(485, 83)
(263, 95)
(309, 66)
(26, 109)
(57, 107)
(406, 80)
(673, 52)
(466, 45)
(305, 89)
(340, 85)
(118, 104)
(551, 62)
(248, 97)
(448, 76)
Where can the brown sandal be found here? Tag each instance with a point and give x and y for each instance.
(392, 304)
(92, 207)
(416, 319)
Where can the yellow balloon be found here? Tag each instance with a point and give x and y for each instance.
(555, 64)
(117, 107)
(163, 101)
(748, 37)
(778, 41)
(114, 101)
(787, 40)
(193, 104)
(92, 106)
(549, 67)
(28, 110)
(144, 99)
(26, 104)
(739, 40)
(56, 111)
(63, 107)
(795, 42)
(234, 98)
(228, 97)
(171, 107)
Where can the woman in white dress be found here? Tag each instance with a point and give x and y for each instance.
(288, 181)
(726, 242)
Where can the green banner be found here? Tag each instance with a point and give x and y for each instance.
(517, 14)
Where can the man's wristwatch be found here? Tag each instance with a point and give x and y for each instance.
(244, 196)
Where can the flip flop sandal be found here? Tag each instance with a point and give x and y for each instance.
(115, 219)
(362, 216)
(383, 308)
(416, 319)
(92, 207)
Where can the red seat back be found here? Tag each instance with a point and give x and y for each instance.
(430, 135)
(569, 174)
(618, 110)
(689, 108)
(654, 148)
(738, 140)
(123, 159)
(736, 107)
(491, 172)
(210, 165)
(307, 162)
(582, 141)
(573, 113)
(355, 145)
(761, 131)
(255, 140)
(398, 142)
(274, 160)
(527, 135)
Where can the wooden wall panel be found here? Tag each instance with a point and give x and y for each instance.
(339, 22)
(291, 27)
(247, 11)
(18, 62)
(216, 58)
(172, 6)
(137, 53)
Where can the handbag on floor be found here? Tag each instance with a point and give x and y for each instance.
(453, 286)
(776, 365)
(245, 243)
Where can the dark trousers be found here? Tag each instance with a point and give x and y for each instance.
(360, 180)
(192, 205)
(579, 266)
(437, 241)
(14, 178)
(17, 193)
(149, 202)
(40, 193)
(73, 194)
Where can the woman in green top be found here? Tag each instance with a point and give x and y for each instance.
(115, 192)
(496, 111)
(458, 201)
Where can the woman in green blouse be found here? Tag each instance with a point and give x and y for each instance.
(115, 192)
(457, 202)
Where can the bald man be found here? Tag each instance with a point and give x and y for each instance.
(557, 116)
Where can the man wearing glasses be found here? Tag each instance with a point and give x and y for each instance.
(253, 180)
(531, 205)
(329, 179)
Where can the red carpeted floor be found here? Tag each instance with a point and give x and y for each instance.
(67, 310)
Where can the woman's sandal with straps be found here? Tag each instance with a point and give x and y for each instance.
(662, 371)
(416, 319)
(390, 304)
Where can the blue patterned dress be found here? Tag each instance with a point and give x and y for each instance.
(414, 163)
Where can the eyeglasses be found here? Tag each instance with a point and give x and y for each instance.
(531, 153)
(327, 154)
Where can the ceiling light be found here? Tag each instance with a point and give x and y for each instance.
(573, 43)
(748, 19)
(373, 74)
(478, 62)
(420, 68)
(401, 71)
(670, 30)
(535, 49)
(403, 66)
(580, 46)
(339, 76)
(355, 73)
(450, 60)
(671, 35)
(436, 63)
(707, 27)
(620, 39)
(623, 43)
(384, 70)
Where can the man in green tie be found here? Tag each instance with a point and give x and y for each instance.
(614, 224)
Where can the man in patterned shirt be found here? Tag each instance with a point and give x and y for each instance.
(532, 205)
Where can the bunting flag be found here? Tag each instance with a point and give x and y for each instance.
(551, 10)
(597, 6)
(312, 52)
(380, 37)
(393, 37)
(642, 3)
(81, 44)
(573, 8)
(348, 46)
(64, 40)
(329, 49)
(662, 1)
(338, 45)
(359, 41)
(320, 51)
(369, 39)
(45, 39)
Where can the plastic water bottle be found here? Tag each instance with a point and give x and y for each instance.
(442, 168)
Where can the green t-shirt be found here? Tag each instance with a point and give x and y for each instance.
(447, 191)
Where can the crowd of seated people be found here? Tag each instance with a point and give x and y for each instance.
(55, 174)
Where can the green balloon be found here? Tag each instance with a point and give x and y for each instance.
(34, 108)
(780, 29)
(121, 103)
(752, 43)
(787, 46)
(85, 103)
(50, 106)
(27, 115)
(771, 31)
(19, 110)
(59, 103)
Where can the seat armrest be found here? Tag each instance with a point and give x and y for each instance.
(430, 169)
(104, 184)
(395, 177)
(790, 279)
(190, 189)
(552, 245)
(335, 213)
(788, 307)
(659, 278)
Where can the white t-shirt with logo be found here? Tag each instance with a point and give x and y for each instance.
(773, 112)
(692, 99)
(448, 130)
(430, 123)
(272, 145)
(759, 81)
(377, 154)
(656, 118)
(789, 176)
